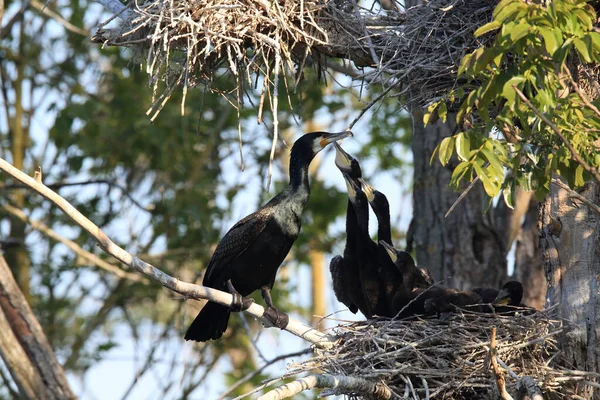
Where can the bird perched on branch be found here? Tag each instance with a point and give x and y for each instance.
(248, 256)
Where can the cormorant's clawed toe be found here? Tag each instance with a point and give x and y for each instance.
(246, 303)
(236, 302)
(276, 317)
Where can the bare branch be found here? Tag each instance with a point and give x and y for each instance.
(342, 384)
(187, 289)
(591, 170)
(38, 5)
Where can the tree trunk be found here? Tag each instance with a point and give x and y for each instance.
(570, 245)
(24, 347)
(467, 248)
(528, 258)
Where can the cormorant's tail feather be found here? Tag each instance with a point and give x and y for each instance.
(210, 323)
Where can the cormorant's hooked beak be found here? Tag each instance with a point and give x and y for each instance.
(503, 298)
(389, 250)
(367, 189)
(343, 160)
(333, 137)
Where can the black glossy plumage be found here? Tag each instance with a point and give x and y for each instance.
(381, 207)
(251, 252)
(412, 279)
(450, 299)
(367, 255)
(344, 270)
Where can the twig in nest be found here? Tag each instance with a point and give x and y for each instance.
(342, 384)
(498, 374)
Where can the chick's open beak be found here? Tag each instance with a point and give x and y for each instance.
(367, 189)
(342, 159)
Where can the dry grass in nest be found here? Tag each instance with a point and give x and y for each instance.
(435, 359)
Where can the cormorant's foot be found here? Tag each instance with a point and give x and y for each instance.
(240, 303)
(276, 317)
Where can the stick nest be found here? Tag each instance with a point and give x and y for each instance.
(186, 43)
(435, 359)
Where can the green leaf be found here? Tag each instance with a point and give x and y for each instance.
(430, 109)
(595, 36)
(443, 111)
(506, 9)
(463, 146)
(508, 92)
(551, 39)
(446, 148)
(579, 180)
(496, 168)
(583, 50)
(488, 185)
(490, 26)
(459, 172)
(519, 31)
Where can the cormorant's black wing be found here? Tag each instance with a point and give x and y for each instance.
(236, 241)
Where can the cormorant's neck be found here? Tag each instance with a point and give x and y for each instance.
(382, 212)
(299, 173)
(361, 208)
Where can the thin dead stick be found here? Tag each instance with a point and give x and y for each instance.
(342, 384)
(371, 104)
(591, 170)
(462, 196)
(189, 290)
(499, 376)
(75, 248)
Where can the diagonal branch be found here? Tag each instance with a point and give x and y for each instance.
(189, 290)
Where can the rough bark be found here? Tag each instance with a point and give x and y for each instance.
(466, 249)
(570, 245)
(529, 269)
(36, 368)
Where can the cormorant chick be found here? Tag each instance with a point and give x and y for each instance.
(451, 299)
(248, 256)
(344, 269)
(406, 282)
(366, 249)
(381, 207)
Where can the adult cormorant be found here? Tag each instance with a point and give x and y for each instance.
(510, 294)
(248, 256)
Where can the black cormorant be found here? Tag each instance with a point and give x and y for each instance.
(510, 294)
(367, 254)
(248, 256)
(381, 207)
(450, 299)
(345, 274)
